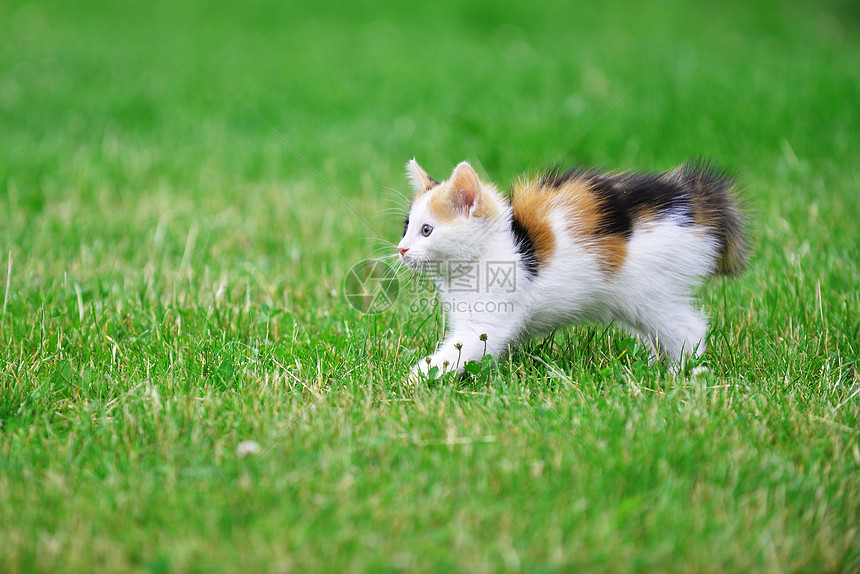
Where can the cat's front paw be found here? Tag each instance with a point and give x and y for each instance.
(429, 368)
(416, 375)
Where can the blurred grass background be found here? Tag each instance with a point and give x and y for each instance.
(171, 279)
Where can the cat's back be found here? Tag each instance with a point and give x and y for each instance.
(600, 212)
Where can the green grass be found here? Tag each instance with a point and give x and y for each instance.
(174, 288)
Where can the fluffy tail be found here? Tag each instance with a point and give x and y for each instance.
(713, 195)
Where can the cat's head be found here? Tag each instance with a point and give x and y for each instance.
(448, 221)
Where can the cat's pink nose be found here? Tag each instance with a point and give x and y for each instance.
(402, 250)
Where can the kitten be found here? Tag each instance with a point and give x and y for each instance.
(582, 246)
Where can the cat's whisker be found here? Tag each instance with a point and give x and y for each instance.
(381, 256)
(384, 246)
(392, 211)
(393, 192)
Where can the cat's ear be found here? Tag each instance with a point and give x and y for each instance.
(464, 188)
(419, 179)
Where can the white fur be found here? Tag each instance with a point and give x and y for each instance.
(650, 295)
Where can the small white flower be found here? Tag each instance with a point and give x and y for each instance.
(247, 448)
(700, 371)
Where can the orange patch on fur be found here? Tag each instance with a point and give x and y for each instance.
(485, 207)
(533, 202)
(445, 201)
(532, 206)
(613, 252)
(583, 209)
(441, 206)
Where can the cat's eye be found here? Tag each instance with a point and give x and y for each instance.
(426, 230)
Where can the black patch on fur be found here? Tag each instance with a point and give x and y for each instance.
(621, 197)
(525, 247)
(711, 188)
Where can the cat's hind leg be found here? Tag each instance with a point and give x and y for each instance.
(676, 334)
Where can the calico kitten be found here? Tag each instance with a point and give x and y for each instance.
(582, 246)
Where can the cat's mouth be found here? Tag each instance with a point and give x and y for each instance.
(409, 261)
(416, 263)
